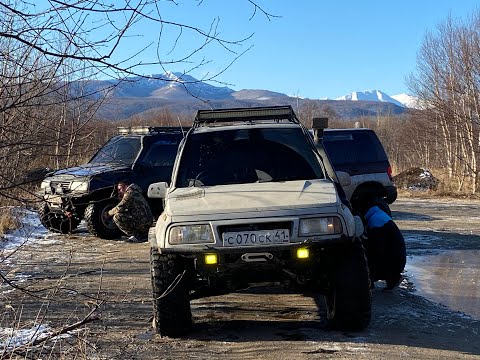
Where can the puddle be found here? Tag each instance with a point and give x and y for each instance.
(450, 278)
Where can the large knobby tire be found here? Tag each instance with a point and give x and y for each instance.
(57, 222)
(172, 315)
(383, 205)
(98, 223)
(349, 299)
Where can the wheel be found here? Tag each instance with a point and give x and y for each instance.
(349, 299)
(383, 205)
(172, 315)
(97, 223)
(361, 204)
(56, 222)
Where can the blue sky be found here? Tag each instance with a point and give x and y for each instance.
(316, 48)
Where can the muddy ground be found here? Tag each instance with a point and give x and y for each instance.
(66, 276)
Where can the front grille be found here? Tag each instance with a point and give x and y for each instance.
(255, 227)
(60, 187)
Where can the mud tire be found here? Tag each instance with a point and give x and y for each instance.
(349, 299)
(172, 315)
(56, 222)
(383, 205)
(97, 224)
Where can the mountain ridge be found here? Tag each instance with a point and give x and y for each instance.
(181, 93)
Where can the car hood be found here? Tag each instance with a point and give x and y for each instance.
(88, 170)
(255, 197)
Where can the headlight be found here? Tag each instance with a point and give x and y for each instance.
(79, 186)
(45, 184)
(193, 234)
(320, 226)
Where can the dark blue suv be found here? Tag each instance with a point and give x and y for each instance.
(142, 155)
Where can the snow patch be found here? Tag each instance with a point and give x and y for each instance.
(29, 230)
(14, 338)
(407, 100)
(370, 95)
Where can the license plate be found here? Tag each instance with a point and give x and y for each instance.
(53, 199)
(256, 238)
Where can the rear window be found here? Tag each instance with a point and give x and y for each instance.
(353, 147)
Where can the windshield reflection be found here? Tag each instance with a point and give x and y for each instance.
(119, 150)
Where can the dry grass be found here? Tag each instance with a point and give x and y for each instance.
(447, 188)
(8, 220)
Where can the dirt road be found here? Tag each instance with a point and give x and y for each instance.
(67, 276)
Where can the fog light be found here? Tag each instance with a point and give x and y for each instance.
(211, 259)
(303, 253)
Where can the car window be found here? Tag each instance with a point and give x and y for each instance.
(119, 149)
(355, 147)
(247, 155)
(161, 153)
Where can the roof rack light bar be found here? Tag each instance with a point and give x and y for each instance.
(246, 114)
(145, 129)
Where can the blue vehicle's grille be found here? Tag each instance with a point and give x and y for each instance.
(60, 187)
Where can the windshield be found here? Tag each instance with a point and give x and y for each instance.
(247, 155)
(120, 150)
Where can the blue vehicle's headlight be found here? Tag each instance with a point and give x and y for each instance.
(79, 186)
(45, 184)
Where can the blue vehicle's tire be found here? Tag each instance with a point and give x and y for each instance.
(97, 223)
(172, 315)
(56, 222)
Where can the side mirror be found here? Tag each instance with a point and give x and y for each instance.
(157, 190)
(344, 178)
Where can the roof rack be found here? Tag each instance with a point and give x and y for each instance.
(245, 115)
(145, 129)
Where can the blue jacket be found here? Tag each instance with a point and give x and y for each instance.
(375, 217)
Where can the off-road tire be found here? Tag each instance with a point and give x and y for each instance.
(97, 223)
(56, 222)
(172, 315)
(349, 298)
(383, 205)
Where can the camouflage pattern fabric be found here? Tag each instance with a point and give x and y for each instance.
(132, 215)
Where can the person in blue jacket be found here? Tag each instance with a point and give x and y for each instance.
(384, 247)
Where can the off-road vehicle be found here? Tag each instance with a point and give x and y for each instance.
(359, 153)
(143, 155)
(252, 201)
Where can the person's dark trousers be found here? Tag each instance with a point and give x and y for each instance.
(386, 253)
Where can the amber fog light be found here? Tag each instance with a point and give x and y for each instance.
(303, 253)
(211, 259)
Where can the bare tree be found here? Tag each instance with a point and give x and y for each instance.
(49, 50)
(447, 84)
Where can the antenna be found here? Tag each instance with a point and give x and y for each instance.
(181, 126)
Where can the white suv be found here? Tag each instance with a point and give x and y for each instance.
(252, 201)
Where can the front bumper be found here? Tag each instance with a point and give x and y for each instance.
(239, 268)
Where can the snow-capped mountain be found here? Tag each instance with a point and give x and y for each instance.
(169, 85)
(370, 95)
(407, 100)
(183, 94)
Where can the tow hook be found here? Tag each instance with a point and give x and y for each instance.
(256, 257)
